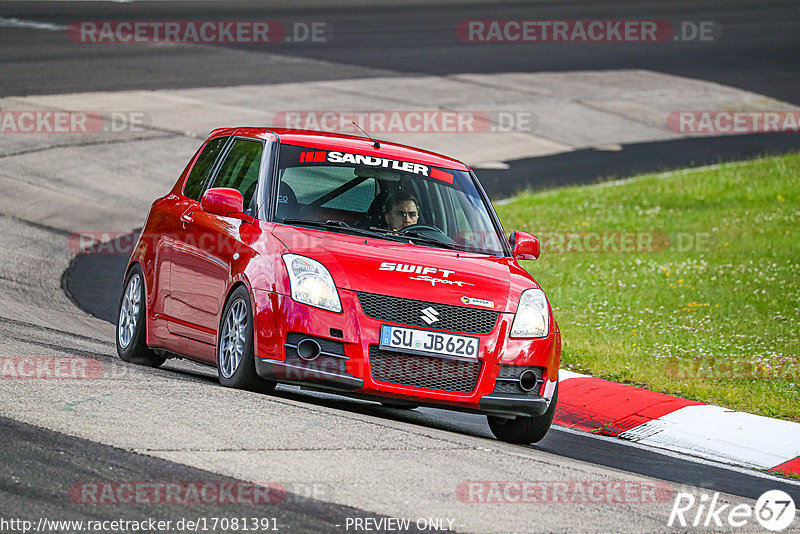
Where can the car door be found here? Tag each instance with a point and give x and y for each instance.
(205, 243)
(168, 218)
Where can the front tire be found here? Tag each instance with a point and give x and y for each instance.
(524, 429)
(132, 323)
(236, 366)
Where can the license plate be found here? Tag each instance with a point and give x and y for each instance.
(426, 342)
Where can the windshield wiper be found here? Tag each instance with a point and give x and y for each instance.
(381, 233)
(413, 236)
(334, 223)
(419, 236)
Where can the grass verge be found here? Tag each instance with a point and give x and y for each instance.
(687, 283)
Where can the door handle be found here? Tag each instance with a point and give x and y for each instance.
(186, 218)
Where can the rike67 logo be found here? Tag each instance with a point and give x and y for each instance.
(774, 510)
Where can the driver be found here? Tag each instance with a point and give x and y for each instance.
(401, 210)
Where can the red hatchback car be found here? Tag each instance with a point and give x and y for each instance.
(343, 264)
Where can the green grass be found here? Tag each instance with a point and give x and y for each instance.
(715, 321)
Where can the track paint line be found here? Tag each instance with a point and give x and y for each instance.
(606, 408)
(723, 434)
(18, 23)
(792, 466)
(609, 408)
(749, 471)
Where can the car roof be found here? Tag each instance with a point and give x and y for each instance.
(346, 143)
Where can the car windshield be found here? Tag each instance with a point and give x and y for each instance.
(386, 198)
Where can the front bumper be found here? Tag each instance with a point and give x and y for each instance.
(328, 369)
(524, 405)
(349, 339)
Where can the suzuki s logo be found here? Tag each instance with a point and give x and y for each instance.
(429, 315)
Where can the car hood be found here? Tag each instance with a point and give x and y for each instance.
(411, 271)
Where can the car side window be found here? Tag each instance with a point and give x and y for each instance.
(241, 168)
(205, 163)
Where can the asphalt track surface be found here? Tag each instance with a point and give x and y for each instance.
(47, 465)
(594, 165)
(759, 51)
(382, 41)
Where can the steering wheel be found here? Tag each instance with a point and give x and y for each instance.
(419, 228)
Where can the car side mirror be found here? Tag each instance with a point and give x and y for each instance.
(224, 201)
(525, 245)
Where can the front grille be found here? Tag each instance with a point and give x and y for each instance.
(423, 371)
(409, 312)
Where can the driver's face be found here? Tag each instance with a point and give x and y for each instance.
(402, 215)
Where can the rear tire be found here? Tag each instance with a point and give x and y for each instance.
(524, 429)
(236, 364)
(132, 323)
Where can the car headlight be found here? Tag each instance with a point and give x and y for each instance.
(311, 283)
(533, 317)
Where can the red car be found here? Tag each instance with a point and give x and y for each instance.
(346, 265)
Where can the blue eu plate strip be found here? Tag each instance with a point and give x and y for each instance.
(386, 335)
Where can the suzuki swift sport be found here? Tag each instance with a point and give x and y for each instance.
(347, 265)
